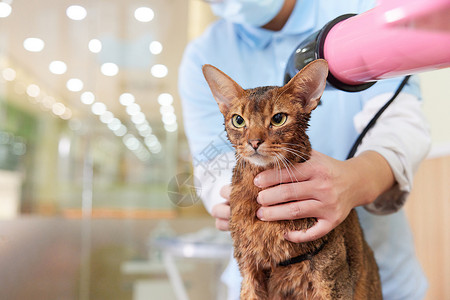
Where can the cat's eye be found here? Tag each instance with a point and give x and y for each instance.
(278, 119)
(238, 121)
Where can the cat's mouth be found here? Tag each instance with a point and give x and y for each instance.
(259, 159)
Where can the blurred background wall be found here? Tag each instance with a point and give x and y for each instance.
(429, 204)
(91, 129)
(89, 107)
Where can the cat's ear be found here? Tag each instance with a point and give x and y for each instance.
(223, 88)
(309, 83)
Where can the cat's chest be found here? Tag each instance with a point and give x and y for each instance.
(244, 193)
(243, 180)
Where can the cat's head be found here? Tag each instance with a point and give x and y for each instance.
(267, 125)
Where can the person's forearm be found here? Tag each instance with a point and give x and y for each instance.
(372, 176)
(401, 136)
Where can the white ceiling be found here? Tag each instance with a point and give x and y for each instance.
(125, 43)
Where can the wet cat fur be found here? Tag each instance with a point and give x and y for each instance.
(341, 264)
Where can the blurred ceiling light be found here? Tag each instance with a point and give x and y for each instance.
(64, 147)
(75, 125)
(109, 69)
(106, 117)
(121, 130)
(58, 109)
(151, 140)
(156, 148)
(145, 133)
(155, 47)
(144, 14)
(74, 85)
(5, 9)
(166, 109)
(144, 155)
(131, 142)
(115, 124)
(126, 99)
(48, 102)
(9, 74)
(67, 114)
(33, 44)
(159, 71)
(98, 108)
(133, 109)
(33, 90)
(95, 46)
(169, 119)
(76, 12)
(171, 127)
(87, 98)
(138, 118)
(57, 67)
(143, 127)
(165, 99)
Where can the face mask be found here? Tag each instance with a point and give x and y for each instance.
(251, 12)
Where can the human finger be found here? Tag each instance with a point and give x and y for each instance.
(221, 211)
(290, 211)
(320, 229)
(225, 191)
(287, 192)
(295, 173)
(223, 224)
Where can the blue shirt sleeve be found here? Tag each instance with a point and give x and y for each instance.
(203, 122)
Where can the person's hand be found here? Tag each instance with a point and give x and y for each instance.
(322, 188)
(222, 211)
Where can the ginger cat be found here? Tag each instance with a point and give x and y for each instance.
(267, 127)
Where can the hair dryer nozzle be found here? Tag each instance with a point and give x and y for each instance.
(311, 49)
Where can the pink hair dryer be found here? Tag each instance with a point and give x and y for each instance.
(395, 38)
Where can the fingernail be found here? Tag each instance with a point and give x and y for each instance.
(259, 214)
(256, 181)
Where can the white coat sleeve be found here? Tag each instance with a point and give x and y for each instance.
(211, 176)
(401, 135)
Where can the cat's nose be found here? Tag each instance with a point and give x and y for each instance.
(255, 143)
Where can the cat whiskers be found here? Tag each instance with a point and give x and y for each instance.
(239, 161)
(278, 165)
(295, 152)
(291, 164)
(288, 166)
(302, 147)
(299, 153)
(294, 167)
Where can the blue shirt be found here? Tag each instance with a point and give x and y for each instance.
(257, 57)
